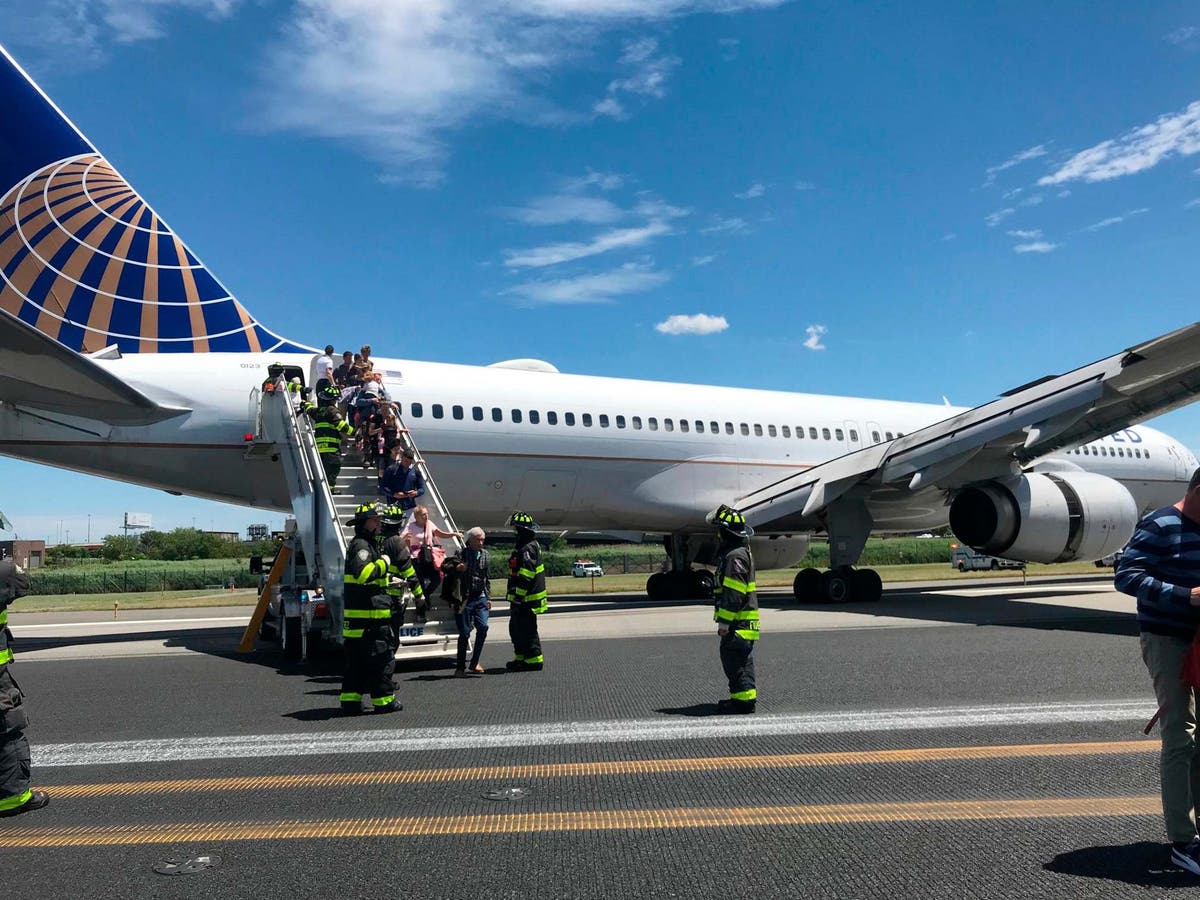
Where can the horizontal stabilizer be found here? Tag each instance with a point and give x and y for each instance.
(38, 372)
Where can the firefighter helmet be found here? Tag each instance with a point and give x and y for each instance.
(392, 515)
(522, 521)
(727, 519)
(363, 512)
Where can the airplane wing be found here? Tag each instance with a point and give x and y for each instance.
(996, 439)
(38, 372)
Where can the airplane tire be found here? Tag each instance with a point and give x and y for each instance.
(700, 584)
(867, 585)
(658, 586)
(806, 586)
(836, 585)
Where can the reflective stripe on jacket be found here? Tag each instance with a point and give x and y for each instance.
(365, 589)
(527, 578)
(737, 597)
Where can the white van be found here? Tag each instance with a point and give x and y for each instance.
(964, 558)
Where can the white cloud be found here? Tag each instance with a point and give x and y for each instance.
(395, 80)
(605, 181)
(815, 333)
(805, 186)
(610, 107)
(1026, 235)
(1015, 160)
(1033, 200)
(1035, 247)
(733, 225)
(1015, 192)
(696, 324)
(1135, 151)
(557, 209)
(1115, 220)
(994, 219)
(1192, 203)
(1065, 192)
(79, 32)
(1183, 36)
(755, 190)
(614, 239)
(702, 260)
(599, 288)
(949, 236)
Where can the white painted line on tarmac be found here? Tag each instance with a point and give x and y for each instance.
(565, 734)
(1026, 589)
(19, 630)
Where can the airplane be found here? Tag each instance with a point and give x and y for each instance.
(124, 357)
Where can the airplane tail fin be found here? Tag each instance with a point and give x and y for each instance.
(85, 260)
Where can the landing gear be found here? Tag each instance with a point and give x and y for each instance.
(840, 585)
(681, 581)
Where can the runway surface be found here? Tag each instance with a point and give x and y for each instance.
(954, 740)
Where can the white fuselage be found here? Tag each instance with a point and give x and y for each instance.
(603, 453)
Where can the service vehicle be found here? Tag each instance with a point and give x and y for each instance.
(964, 559)
(582, 568)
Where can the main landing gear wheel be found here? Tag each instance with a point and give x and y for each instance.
(701, 582)
(694, 584)
(658, 586)
(844, 585)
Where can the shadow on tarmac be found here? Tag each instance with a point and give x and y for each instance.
(1144, 864)
(695, 710)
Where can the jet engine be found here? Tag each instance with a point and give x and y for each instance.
(1046, 517)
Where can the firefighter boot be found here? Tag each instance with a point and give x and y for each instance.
(37, 799)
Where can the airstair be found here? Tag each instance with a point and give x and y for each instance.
(320, 511)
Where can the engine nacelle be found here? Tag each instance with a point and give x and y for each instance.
(1047, 517)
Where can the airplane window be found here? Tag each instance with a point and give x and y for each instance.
(551, 417)
(1137, 453)
(1147, 454)
(516, 416)
(1121, 451)
(771, 431)
(652, 423)
(875, 436)
(683, 424)
(497, 414)
(838, 434)
(587, 420)
(534, 418)
(416, 410)
(603, 421)
(668, 425)
(714, 427)
(787, 432)
(699, 427)
(745, 429)
(477, 413)
(888, 435)
(637, 423)
(758, 431)
(812, 433)
(729, 428)
(568, 418)
(438, 411)
(456, 411)
(825, 433)
(620, 421)
(853, 435)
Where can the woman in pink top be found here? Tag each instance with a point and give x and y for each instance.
(419, 534)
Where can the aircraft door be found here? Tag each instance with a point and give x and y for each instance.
(854, 436)
(546, 495)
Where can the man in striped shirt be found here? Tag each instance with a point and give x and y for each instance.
(1161, 567)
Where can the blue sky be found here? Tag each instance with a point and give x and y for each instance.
(901, 202)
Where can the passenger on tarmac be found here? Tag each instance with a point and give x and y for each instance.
(526, 595)
(736, 612)
(1161, 567)
(471, 570)
(15, 794)
(400, 571)
(369, 649)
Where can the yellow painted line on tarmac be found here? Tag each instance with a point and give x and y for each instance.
(591, 820)
(536, 771)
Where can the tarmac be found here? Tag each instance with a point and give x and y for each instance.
(957, 739)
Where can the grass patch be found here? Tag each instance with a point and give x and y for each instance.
(140, 600)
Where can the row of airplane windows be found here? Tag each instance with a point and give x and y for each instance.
(1102, 450)
(651, 423)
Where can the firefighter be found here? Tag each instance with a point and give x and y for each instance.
(526, 595)
(736, 612)
(400, 570)
(328, 428)
(15, 795)
(369, 652)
